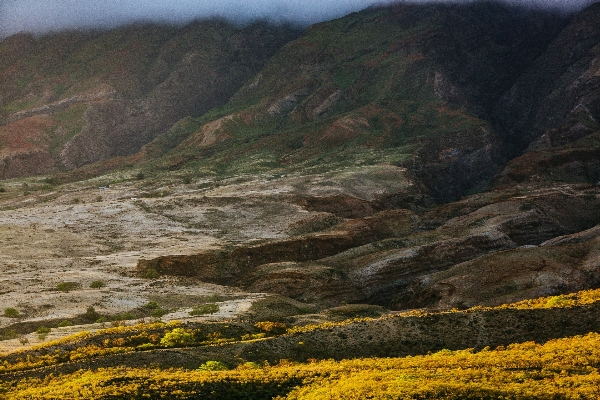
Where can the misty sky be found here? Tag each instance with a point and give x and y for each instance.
(49, 15)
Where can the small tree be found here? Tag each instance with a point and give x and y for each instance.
(97, 285)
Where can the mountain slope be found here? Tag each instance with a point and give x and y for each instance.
(368, 160)
(406, 84)
(562, 86)
(405, 96)
(73, 98)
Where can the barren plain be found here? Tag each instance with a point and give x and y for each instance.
(98, 230)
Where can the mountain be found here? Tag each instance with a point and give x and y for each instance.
(405, 156)
(70, 99)
(411, 85)
(261, 192)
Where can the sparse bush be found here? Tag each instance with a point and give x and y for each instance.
(11, 312)
(76, 200)
(67, 286)
(97, 285)
(65, 323)
(54, 181)
(159, 312)
(42, 332)
(150, 273)
(208, 308)
(177, 337)
(140, 176)
(98, 199)
(213, 366)
(527, 206)
(156, 194)
(356, 311)
(9, 334)
(91, 314)
(152, 305)
(2, 189)
(213, 298)
(23, 340)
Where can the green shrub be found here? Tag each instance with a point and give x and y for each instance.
(2, 189)
(213, 366)
(159, 312)
(208, 308)
(97, 285)
(91, 315)
(123, 316)
(177, 337)
(250, 365)
(67, 286)
(556, 301)
(9, 334)
(150, 273)
(146, 346)
(42, 332)
(11, 312)
(152, 305)
(65, 323)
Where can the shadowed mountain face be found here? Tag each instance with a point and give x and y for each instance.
(561, 87)
(411, 85)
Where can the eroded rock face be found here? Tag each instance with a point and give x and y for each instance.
(229, 267)
(379, 276)
(484, 252)
(560, 266)
(307, 282)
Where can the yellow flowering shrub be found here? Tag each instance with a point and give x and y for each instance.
(560, 369)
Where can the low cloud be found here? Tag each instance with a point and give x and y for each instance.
(52, 15)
